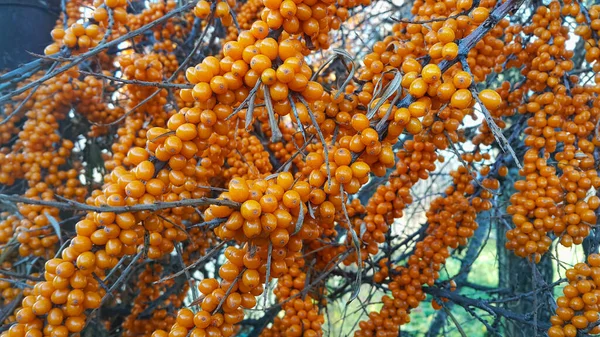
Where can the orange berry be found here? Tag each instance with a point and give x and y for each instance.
(490, 98)
(461, 99)
(431, 73)
(251, 210)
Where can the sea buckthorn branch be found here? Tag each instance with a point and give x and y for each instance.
(460, 279)
(122, 278)
(63, 10)
(454, 320)
(22, 73)
(182, 66)
(486, 306)
(18, 275)
(468, 42)
(261, 323)
(570, 227)
(402, 278)
(195, 148)
(165, 85)
(55, 58)
(502, 141)
(195, 264)
(21, 104)
(95, 51)
(75, 205)
(188, 276)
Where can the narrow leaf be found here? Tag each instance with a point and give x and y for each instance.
(249, 113)
(55, 225)
(276, 134)
(300, 219)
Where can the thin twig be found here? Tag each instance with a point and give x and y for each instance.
(164, 85)
(98, 49)
(74, 205)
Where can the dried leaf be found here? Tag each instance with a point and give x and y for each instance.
(249, 113)
(356, 243)
(391, 88)
(393, 46)
(276, 134)
(271, 176)
(358, 281)
(300, 219)
(496, 131)
(268, 276)
(311, 211)
(54, 225)
(295, 112)
(350, 76)
(383, 120)
(363, 229)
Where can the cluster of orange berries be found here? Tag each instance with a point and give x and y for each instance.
(588, 29)
(93, 107)
(535, 198)
(7, 227)
(142, 68)
(389, 200)
(109, 20)
(313, 18)
(9, 292)
(192, 133)
(154, 11)
(429, 89)
(222, 10)
(63, 297)
(9, 128)
(34, 233)
(548, 200)
(104, 9)
(38, 156)
(578, 307)
(66, 293)
(223, 302)
(246, 14)
(76, 37)
(163, 155)
(117, 234)
(250, 160)
(267, 210)
(250, 59)
(73, 11)
(138, 323)
(291, 141)
(451, 221)
(301, 313)
(131, 134)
